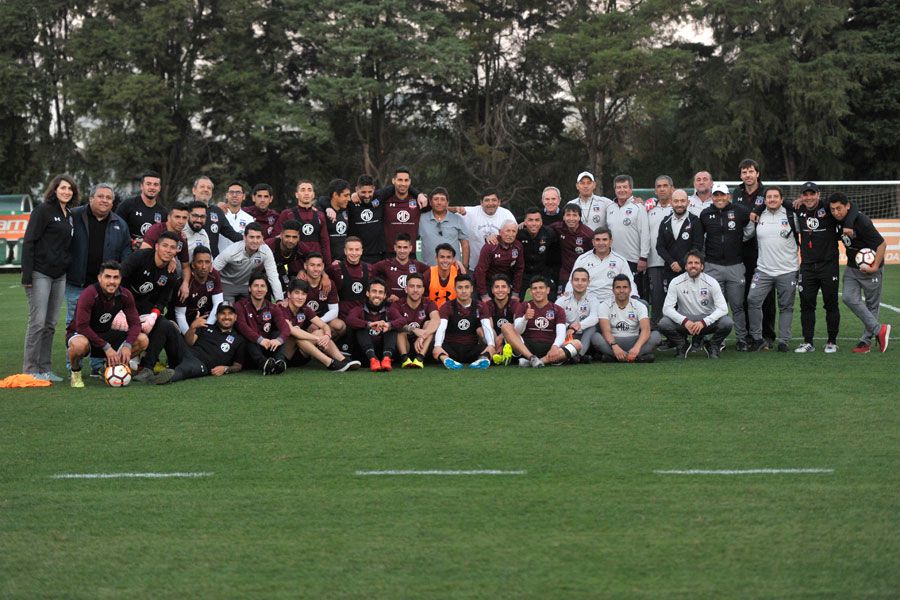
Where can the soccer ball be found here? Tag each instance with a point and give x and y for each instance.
(866, 256)
(117, 376)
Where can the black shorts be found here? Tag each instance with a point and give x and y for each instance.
(464, 353)
(539, 349)
(115, 338)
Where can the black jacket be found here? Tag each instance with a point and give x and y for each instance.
(45, 248)
(216, 225)
(116, 245)
(724, 233)
(673, 248)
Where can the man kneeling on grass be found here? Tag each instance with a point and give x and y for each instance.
(372, 329)
(624, 323)
(539, 332)
(106, 324)
(309, 333)
(216, 349)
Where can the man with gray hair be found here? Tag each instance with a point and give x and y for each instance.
(702, 196)
(216, 224)
(550, 199)
(507, 256)
(98, 235)
(627, 221)
(593, 207)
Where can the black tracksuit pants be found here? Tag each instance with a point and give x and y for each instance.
(814, 277)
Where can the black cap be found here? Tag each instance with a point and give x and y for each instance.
(225, 306)
(809, 186)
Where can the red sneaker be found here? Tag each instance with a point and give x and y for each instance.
(386, 364)
(374, 365)
(884, 336)
(861, 348)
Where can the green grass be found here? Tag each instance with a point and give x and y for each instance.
(284, 515)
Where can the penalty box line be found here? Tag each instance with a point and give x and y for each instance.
(744, 471)
(129, 475)
(439, 472)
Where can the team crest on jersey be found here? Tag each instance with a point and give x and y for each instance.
(628, 211)
(705, 302)
(812, 223)
(257, 260)
(542, 248)
(179, 246)
(323, 295)
(213, 217)
(229, 339)
(340, 228)
(551, 314)
(412, 268)
(820, 213)
(401, 281)
(225, 347)
(214, 228)
(579, 240)
(267, 316)
(421, 314)
(301, 318)
(463, 324)
(201, 302)
(271, 220)
(105, 317)
(157, 218)
(357, 287)
(412, 203)
(267, 327)
(144, 228)
(403, 216)
(308, 229)
(367, 214)
(502, 321)
(626, 222)
(162, 280)
(596, 218)
(515, 253)
(376, 202)
(704, 291)
(209, 286)
(632, 316)
(731, 225)
(541, 323)
(759, 200)
(730, 214)
(313, 305)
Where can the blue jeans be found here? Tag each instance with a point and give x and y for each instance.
(44, 297)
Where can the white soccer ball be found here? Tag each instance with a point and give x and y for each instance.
(866, 256)
(117, 376)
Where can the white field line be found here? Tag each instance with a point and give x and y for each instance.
(889, 307)
(743, 471)
(126, 475)
(436, 472)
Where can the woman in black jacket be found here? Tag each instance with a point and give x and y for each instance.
(45, 259)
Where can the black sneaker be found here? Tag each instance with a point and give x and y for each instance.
(163, 377)
(683, 350)
(741, 346)
(608, 358)
(714, 351)
(645, 358)
(758, 345)
(782, 347)
(280, 367)
(707, 347)
(697, 344)
(585, 359)
(144, 375)
(268, 367)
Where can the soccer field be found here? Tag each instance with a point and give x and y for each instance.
(280, 508)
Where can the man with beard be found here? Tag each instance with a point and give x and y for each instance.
(174, 223)
(204, 294)
(624, 324)
(538, 334)
(234, 211)
(194, 231)
(415, 319)
(677, 234)
(217, 226)
(365, 216)
(541, 249)
(372, 329)
(395, 271)
(322, 297)
(144, 210)
(402, 210)
(262, 196)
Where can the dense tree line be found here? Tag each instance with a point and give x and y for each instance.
(508, 93)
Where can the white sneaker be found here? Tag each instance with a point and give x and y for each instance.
(830, 348)
(524, 362)
(536, 362)
(805, 348)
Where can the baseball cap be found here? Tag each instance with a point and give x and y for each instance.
(809, 186)
(584, 174)
(225, 306)
(720, 188)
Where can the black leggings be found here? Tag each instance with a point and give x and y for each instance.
(385, 344)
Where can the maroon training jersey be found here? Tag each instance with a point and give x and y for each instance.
(404, 316)
(200, 295)
(318, 300)
(95, 311)
(156, 230)
(287, 264)
(263, 322)
(500, 258)
(266, 219)
(499, 316)
(400, 216)
(542, 327)
(361, 316)
(302, 319)
(462, 322)
(572, 244)
(313, 232)
(395, 274)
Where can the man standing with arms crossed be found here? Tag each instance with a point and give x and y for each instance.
(593, 207)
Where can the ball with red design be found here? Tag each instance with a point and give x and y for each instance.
(866, 256)
(117, 375)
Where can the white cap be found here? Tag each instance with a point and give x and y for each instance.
(584, 174)
(720, 188)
